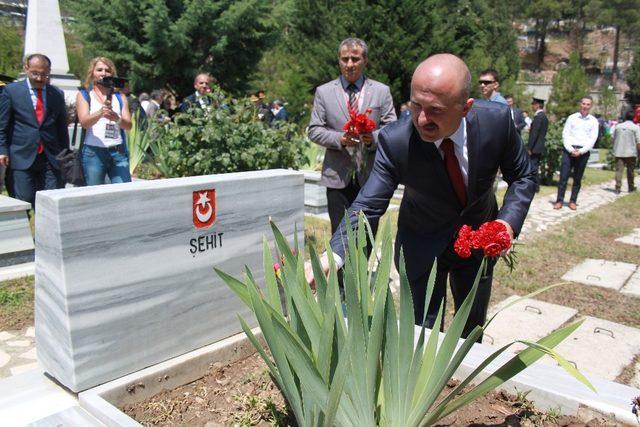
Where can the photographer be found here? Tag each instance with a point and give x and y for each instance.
(105, 116)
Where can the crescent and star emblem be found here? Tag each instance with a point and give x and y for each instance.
(203, 208)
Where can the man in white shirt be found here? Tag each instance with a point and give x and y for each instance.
(579, 135)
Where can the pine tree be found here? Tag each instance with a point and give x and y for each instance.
(11, 52)
(569, 85)
(159, 42)
(633, 78)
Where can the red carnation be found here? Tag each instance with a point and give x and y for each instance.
(492, 237)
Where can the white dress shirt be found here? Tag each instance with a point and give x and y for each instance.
(580, 132)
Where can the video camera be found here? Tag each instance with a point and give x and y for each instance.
(113, 82)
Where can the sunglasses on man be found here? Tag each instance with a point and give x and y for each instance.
(485, 82)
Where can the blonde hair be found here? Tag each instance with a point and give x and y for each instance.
(92, 65)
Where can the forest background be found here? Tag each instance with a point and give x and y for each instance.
(289, 47)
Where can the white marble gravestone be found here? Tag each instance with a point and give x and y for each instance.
(125, 280)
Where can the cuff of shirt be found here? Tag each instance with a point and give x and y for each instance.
(338, 259)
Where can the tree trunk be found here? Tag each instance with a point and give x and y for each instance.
(616, 50)
(542, 34)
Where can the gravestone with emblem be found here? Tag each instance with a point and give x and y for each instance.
(124, 273)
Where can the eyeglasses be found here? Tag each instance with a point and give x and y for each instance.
(486, 82)
(36, 74)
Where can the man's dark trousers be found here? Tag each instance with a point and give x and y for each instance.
(535, 165)
(577, 165)
(40, 176)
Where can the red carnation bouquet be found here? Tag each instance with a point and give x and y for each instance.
(359, 124)
(491, 237)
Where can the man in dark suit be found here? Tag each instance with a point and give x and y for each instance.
(33, 130)
(447, 155)
(516, 114)
(348, 158)
(202, 85)
(537, 137)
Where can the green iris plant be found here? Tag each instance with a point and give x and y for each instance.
(363, 362)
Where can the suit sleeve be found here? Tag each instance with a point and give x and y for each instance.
(388, 115)
(318, 130)
(520, 124)
(373, 199)
(5, 122)
(518, 173)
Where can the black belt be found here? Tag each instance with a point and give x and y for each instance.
(116, 149)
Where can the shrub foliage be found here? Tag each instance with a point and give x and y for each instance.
(226, 138)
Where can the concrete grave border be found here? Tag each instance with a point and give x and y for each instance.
(550, 386)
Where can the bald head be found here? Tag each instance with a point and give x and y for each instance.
(440, 90)
(443, 73)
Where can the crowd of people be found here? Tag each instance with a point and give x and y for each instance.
(34, 124)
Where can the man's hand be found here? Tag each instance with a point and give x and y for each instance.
(349, 139)
(308, 270)
(529, 151)
(575, 153)
(366, 138)
(510, 231)
(4, 160)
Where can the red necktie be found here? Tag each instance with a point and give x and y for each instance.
(40, 115)
(453, 170)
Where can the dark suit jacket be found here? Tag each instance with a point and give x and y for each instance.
(518, 119)
(20, 132)
(430, 212)
(190, 101)
(538, 133)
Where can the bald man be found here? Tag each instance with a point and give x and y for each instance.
(202, 85)
(441, 195)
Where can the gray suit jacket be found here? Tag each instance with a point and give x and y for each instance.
(328, 117)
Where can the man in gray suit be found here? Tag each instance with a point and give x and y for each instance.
(349, 158)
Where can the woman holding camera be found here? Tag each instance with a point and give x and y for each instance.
(105, 116)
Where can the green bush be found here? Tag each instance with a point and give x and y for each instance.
(552, 156)
(226, 138)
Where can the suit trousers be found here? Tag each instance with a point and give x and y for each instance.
(535, 165)
(420, 253)
(630, 164)
(569, 164)
(339, 200)
(40, 176)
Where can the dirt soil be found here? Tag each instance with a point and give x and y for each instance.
(243, 393)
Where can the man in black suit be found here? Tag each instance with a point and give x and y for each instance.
(33, 130)
(202, 85)
(516, 114)
(447, 155)
(537, 137)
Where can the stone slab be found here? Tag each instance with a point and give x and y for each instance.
(30, 397)
(17, 271)
(631, 239)
(4, 335)
(599, 272)
(74, 416)
(632, 287)
(18, 343)
(9, 204)
(528, 319)
(125, 280)
(15, 233)
(30, 332)
(4, 358)
(600, 347)
(20, 369)
(31, 354)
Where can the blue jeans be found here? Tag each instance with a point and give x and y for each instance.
(98, 162)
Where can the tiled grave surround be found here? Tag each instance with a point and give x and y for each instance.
(124, 280)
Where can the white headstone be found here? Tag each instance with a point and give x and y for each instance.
(124, 274)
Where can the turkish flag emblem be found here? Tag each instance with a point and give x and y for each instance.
(204, 208)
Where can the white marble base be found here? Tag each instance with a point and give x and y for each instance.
(121, 283)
